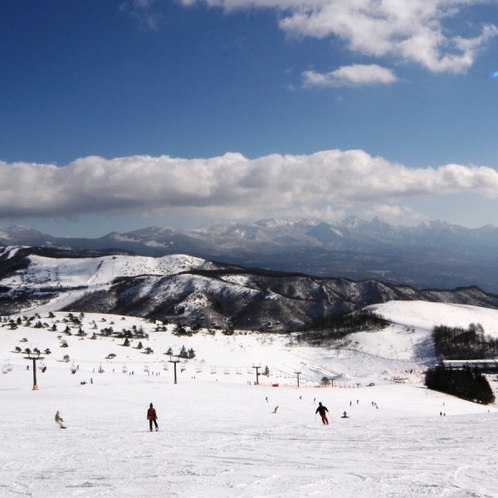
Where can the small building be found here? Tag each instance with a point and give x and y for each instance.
(487, 366)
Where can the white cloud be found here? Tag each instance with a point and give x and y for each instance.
(409, 30)
(324, 184)
(354, 75)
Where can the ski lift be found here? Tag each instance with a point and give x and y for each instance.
(124, 368)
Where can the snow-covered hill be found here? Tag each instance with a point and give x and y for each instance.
(223, 436)
(74, 272)
(188, 290)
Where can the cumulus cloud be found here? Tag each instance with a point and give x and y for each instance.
(323, 184)
(354, 75)
(409, 30)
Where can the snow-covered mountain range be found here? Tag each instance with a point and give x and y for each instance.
(432, 254)
(193, 291)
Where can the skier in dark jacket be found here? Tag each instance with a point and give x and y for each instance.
(322, 410)
(152, 417)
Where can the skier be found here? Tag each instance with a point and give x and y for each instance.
(322, 410)
(152, 417)
(58, 420)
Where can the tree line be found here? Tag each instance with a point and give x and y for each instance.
(343, 325)
(457, 343)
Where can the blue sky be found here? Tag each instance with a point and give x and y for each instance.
(121, 114)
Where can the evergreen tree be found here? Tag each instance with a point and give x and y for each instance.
(180, 330)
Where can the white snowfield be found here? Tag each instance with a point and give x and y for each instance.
(222, 436)
(94, 272)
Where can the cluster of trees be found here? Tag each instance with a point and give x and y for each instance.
(467, 384)
(344, 325)
(456, 343)
(184, 330)
(25, 321)
(184, 353)
(72, 321)
(30, 351)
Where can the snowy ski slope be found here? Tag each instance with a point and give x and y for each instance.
(219, 435)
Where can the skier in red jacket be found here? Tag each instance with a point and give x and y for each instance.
(152, 417)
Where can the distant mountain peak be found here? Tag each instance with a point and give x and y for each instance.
(272, 223)
(377, 220)
(24, 229)
(353, 222)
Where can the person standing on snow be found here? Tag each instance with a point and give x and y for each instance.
(322, 410)
(58, 420)
(152, 417)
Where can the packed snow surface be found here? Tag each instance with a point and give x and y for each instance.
(220, 435)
